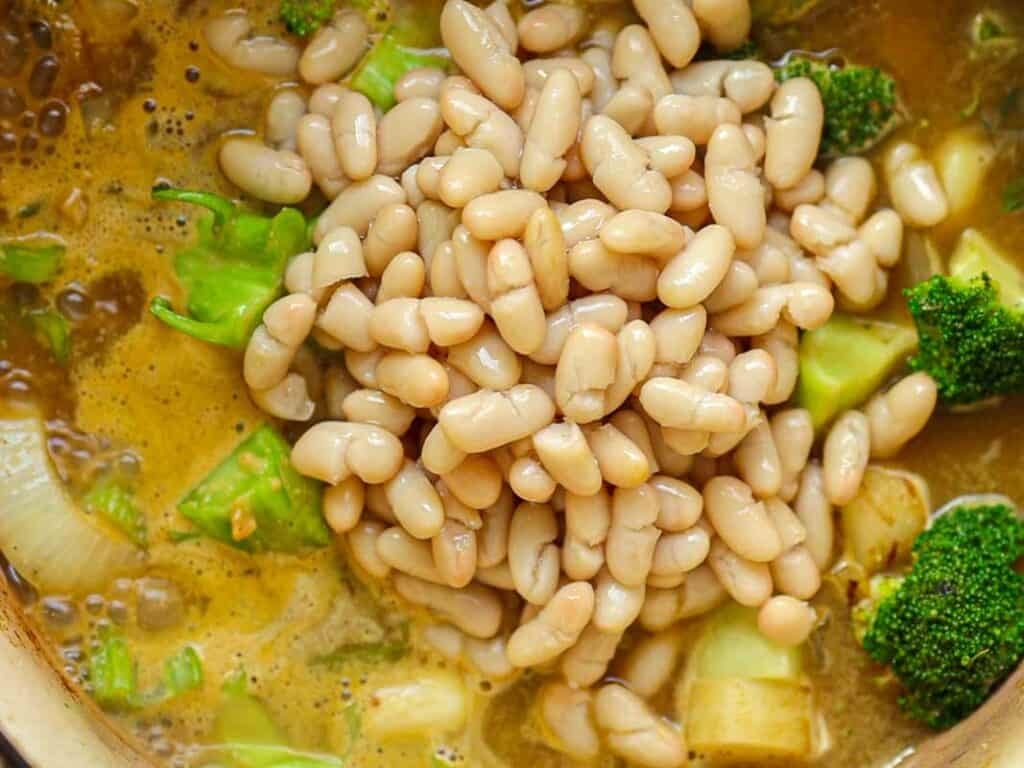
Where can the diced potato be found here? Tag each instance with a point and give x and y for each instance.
(433, 703)
(976, 254)
(740, 721)
(731, 646)
(880, 524)
(963, 161)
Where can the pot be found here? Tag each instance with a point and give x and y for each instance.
(53, 724)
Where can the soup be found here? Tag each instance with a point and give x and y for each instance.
(179, 565)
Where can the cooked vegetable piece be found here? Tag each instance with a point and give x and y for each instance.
(52, 543)
(30, 261)
(384, 66)
(113, 673)
(387, 650)
(256, 501)
(952, 628)
(116, 504)
(252, 739)
(52, 329)
(234, 270)
(861, 105)
(745, 699)
(182, 672)
(843, 362)
(304, 17)
(434, 702)
(971, 324)
(881, 523)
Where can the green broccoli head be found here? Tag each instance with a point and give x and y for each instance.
(861, 105)
(970, 343)
(953, 627)
(304, 17)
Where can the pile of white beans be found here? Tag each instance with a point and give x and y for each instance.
(565, 291)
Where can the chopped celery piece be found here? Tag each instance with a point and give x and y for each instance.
(385, 64)
(52, 329)
(29, 262)
(115, 504)
(975, 254)
(182, 672)
(391, 649)
(256, 501)
(113, 673)
(843, 362)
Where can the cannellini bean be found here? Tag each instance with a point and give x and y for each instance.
(793, 132)
(444, 276)
(616, 605)
(277, 176)
(418, 380)
(621, 461)
(585, 370)
(781, 343)
(515, 302)
(391, 232)
(795, 573)
(487, 419)
(436, 223)
(636, 349)
(333, 450)
(636, 60)
(845, 456)
(747, 582)
(419, 82)
(643, 232)
(674, 403)
(757, 461)
(371, 406)
(289, 399)
(793, 433)
(532, 554)
(634, 732)
(474, 609)
(786, 620)
(404, 278)
(587, 661)
(471, 257)
(604, 310)
(354, 128)
(468, 174)
(551, 27)
(678, 333)
(679, 553)
(229, 36)
(620, 168)
(555, 629)
(565, 712)
(583, 220)
(587, 519)
(696, 117)
(500, 15)
(632, 537)
(565, 453)
(343, 504)
(549, 138)
(358, 205)
(737, 286)
(632, 425)
(282, 118)
(530, 481)
(545, 246)
(406, 133)
(898, 415)
(325, 98)
(404, 553)
(805, 305)
(316, 145)
(810, 190)
(749, 84)
(596, 268)
(741, 520)
(362, 541)
(537, 72)
(476, 481)
(648, 667)
(605, 86)
(413, 324)
(814, 509)
(334, 49)
(501, 214)
(669, 155)
(477, 46)
(674, 28)
(700, 592)
(735, 194)
(438, 454)
(698, 269)
(455, 553)
(726, 23)
(487, 359)
(679, 504)
(415, 502)
(484, 125)
(492, 538)
(914, 186)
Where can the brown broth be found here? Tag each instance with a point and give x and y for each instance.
(177, 405)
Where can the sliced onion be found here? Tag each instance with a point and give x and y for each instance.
(43, 533)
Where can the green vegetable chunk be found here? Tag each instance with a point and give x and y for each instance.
(304, 17)
(257, 487)
(251, 738)
(30, 262)
(953, 627)
(971, 324)
(52, 329)
(113, 502)
(384, 66)
(182, 672)
(113, 673)
(387, 650)
(861, 106)
(843, 362)
(235, 269)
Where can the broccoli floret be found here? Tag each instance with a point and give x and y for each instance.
(861, 105)
(304, 17)
(952, 628)
(971, 324)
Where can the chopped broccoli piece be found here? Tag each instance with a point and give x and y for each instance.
(971, 324)
(304, 17)
(256, 501)
(861, 105)
(953, 627)
(113, 502)
(843, 362)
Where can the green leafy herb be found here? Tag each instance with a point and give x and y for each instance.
(235, 269)
(112, 501)
(113, 673)
(258, 485)
(31, 262)
(1013, 196)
